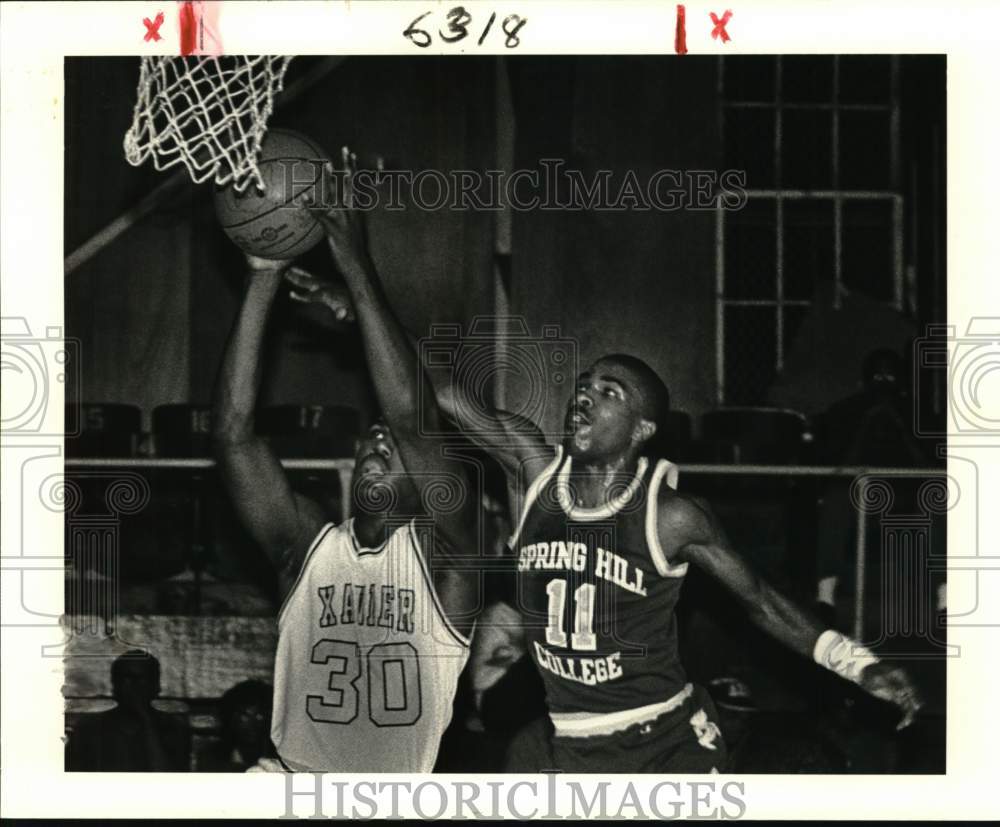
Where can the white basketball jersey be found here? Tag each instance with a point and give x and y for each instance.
(367, 663)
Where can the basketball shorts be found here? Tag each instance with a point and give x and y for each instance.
(684, 740)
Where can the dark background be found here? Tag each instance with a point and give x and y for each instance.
(153, 308)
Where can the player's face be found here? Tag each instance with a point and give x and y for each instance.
(602, 416)
(380, 481)
(377, 455)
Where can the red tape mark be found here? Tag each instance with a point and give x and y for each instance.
(680, 36)
(720, 26)
(189, 29)
(153, 28)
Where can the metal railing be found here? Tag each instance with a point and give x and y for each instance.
(344, 468)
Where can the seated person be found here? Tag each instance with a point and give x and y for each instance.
(245, 711)
(873, 428)
(132, 737)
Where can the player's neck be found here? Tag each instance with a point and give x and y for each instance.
(597, 481)
(370, 530)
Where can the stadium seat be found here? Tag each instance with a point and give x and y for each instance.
(310, 431)
(183, 430)
(102, 430)
(755, 436)
(674, 443)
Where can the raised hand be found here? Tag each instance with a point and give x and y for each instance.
(309, 289)
(333, 205)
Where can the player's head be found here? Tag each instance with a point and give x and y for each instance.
(135, 678)
(618, 403)
(380, 483)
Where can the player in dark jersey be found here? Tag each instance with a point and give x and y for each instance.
(602, 548)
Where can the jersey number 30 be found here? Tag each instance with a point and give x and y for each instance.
(393, 683)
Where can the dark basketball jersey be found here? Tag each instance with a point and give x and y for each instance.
(598, 594)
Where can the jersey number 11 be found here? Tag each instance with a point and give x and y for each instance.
(583, 637)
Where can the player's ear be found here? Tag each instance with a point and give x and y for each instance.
(644, 431)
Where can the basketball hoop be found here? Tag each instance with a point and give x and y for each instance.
(207, 113)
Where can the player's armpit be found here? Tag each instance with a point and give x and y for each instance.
(280, 521)
(459, 588)
(514, 441)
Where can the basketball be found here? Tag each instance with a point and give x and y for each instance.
(265, 223)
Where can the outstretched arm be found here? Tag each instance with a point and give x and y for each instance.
(404, 392)
(689, 532)
(514, 441)
(405, 397)
(282, 522)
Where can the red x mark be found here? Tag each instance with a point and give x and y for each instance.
(153, 29)
(720, 26)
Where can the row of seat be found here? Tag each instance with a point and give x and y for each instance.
(115, 430)
(727, 435)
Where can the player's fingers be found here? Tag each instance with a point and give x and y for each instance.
(908, 718)
(302, 278)
(349, 161)
(315, 203)
(909, 701)
(307, 198)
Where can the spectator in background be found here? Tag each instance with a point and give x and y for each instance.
(245, 711)
(134, 736)
(873, 428)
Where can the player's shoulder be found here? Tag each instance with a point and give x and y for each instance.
(542, 460)
(319, 535)
(682, 515)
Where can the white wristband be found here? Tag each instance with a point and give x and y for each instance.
(840, 654)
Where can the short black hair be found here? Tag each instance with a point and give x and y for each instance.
(653, 389)
(134, 656)
(245, 693)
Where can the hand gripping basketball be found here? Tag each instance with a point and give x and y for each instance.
(335, 211)
(258, 264)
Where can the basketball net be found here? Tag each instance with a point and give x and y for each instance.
(207, 113)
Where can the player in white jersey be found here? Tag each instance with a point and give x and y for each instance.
(365, 648)
(374, 626)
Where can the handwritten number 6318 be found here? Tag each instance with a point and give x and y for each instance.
(458, 29)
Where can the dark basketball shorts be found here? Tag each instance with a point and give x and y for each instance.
(684, 740)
